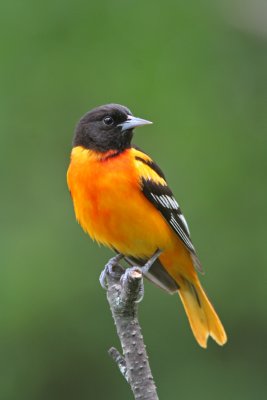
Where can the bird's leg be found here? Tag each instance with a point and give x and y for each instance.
(108, 269)
(150, 262)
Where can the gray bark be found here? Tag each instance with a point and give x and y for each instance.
(124, 291)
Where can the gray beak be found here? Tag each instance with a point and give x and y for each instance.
(133, 122)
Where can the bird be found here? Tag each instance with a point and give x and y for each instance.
(122, 200)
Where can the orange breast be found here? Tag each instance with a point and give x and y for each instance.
(110, 206)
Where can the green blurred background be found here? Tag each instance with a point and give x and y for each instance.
(198, 69)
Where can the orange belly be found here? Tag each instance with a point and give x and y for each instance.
(110, 206)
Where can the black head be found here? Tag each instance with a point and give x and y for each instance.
(108, 127)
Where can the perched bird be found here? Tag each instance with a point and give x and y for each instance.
(122, 200)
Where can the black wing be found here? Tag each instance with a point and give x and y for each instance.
(161, 196)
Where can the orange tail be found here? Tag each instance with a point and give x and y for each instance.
(202, 317)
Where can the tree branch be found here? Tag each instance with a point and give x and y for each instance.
(124, 290)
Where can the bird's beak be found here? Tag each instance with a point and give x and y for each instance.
(133, 122)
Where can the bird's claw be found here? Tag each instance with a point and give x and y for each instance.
(108, 270)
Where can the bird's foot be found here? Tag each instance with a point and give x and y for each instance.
(108, 270)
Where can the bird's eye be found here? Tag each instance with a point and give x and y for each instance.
(108, 121)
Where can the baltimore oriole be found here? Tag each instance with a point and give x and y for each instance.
(122, 200)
